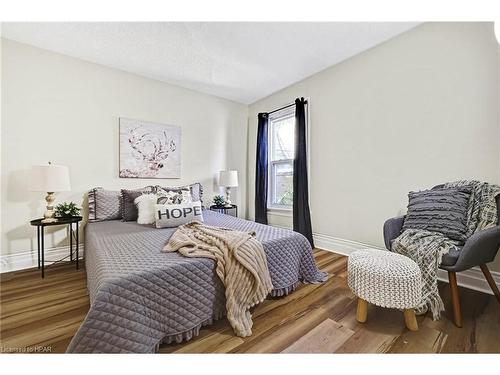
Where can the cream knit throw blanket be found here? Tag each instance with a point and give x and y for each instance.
(241, 266)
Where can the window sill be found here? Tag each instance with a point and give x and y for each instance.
(287, 212)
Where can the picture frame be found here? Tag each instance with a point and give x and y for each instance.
(149, 149)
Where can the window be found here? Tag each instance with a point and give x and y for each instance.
(281, 153)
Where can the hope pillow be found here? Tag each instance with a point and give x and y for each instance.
(173, 215)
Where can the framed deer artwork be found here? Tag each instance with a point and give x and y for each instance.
(149, 150)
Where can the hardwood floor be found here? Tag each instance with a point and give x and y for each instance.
(43, 314)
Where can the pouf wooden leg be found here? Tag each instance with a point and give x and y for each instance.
(386, 279)
(410, 319)
(362, 311)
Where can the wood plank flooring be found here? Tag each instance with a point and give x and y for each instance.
(43, 314)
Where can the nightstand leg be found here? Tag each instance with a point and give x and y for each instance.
(38, 244)
(77, 245)
(71, 242)
(43, 253)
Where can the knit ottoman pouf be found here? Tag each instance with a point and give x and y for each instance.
(385, 279)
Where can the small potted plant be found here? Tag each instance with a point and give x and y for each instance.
(66, 210)
(219, 200)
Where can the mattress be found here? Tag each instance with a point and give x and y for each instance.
(141, 297)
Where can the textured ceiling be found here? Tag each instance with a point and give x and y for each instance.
(243, 62)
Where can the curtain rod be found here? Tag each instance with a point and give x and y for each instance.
(286, 106)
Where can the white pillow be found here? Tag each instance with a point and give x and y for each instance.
(146, 208)
(173, 215)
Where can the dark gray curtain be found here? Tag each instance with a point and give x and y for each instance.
(301, 214)
(261, 170)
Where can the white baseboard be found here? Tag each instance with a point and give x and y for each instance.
(340, 245)
(29, 259)
(472, 278)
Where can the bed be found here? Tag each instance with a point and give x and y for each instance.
(141, 297)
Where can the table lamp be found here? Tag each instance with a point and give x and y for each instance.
(50, 179)
(228, 179)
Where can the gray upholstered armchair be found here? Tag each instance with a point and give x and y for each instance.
(479, 249)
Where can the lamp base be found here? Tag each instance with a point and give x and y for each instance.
(49, 213)
(49, 220)
(228, 198)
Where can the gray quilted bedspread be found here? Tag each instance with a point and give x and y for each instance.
(141, 297)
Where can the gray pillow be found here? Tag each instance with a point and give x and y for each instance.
(441, 210)
(196, 190)
(173, 215)
(129, 209)
(104, 205)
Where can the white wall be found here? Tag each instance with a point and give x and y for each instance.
(413, 112)
(416, 111)
(66, 110)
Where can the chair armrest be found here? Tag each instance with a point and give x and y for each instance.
(392, 229)
(480, 248)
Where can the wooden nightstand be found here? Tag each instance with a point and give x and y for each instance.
(233, 210)
(40, 226)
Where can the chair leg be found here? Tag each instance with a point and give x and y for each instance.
(455, 298)
(490, 280)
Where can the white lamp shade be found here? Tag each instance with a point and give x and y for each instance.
(228, 178)
(496, 28)
(49, 178)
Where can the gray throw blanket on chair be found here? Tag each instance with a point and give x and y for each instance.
(427, 248)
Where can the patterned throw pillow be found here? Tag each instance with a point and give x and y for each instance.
(146, 208)
(173, 195)
(440, 210)
(195, 189)
(104, 205)
(129, 209)
(173, 215)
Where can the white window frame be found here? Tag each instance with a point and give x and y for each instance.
(285, 113)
